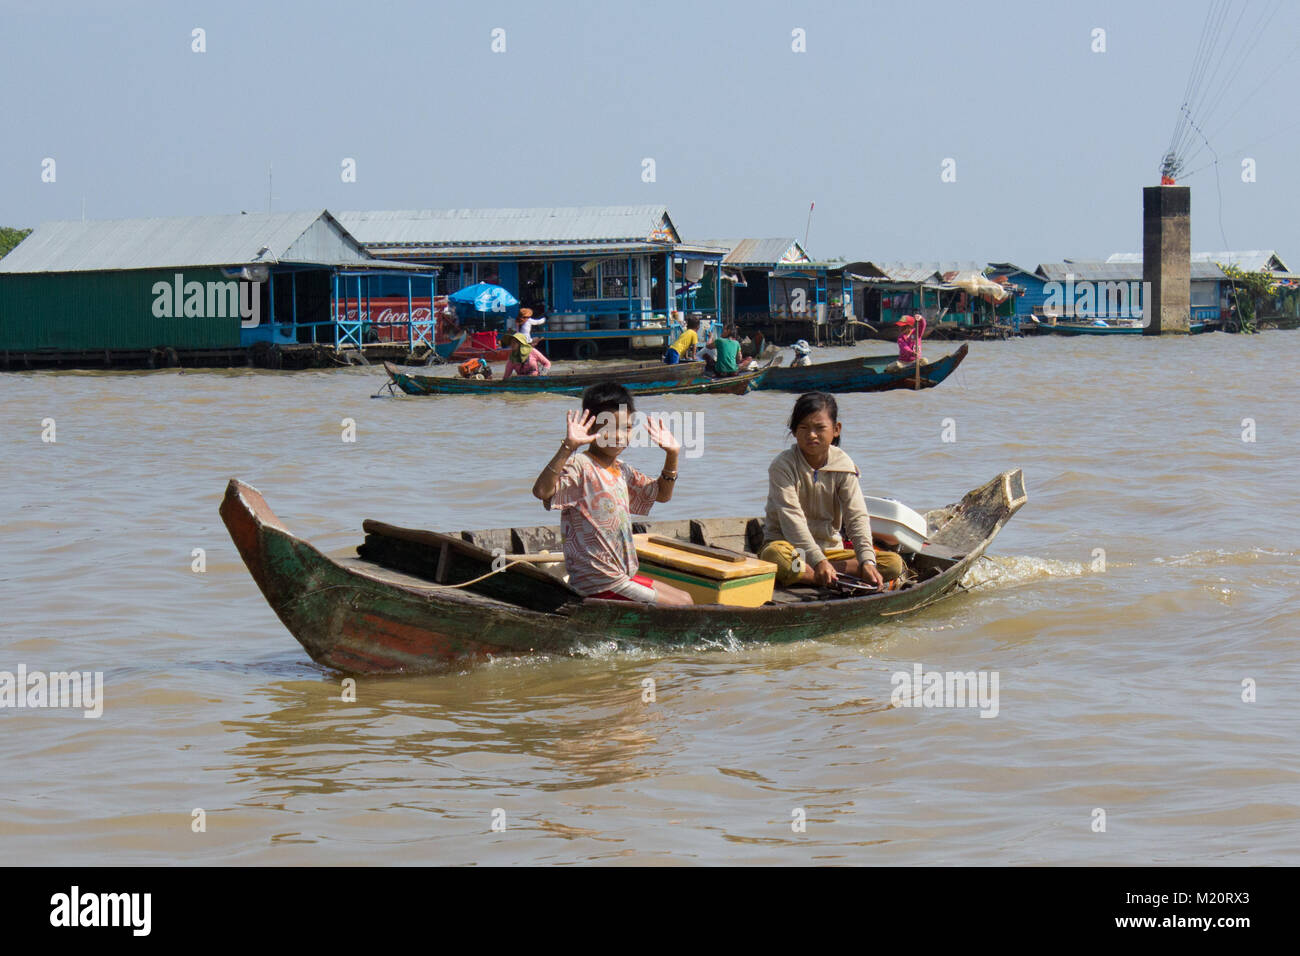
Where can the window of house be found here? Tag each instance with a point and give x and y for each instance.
(617, 279)
(609, 279)
(584, 282)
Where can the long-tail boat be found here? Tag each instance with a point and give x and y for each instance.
(643, 378)
(870, 374)
(1130, 328)
(410, 601)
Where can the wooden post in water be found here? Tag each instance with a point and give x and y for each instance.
(1167, 259)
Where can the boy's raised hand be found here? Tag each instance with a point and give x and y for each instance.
(661, 435)
(579, 427)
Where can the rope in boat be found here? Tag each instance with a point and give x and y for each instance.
(481, 577)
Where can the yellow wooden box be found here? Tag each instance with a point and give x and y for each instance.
(710, 575)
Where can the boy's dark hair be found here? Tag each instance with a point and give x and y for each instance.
(811, 403)
(693, 322)
(729, 331)
(606, 397)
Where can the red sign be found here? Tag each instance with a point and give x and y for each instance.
(387, 316)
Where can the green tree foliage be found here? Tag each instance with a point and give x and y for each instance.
(1250, 291)
(10, 237)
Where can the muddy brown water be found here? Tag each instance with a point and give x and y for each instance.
(1119, 690)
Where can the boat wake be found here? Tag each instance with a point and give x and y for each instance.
(1221, 558)
(1002, 571)
(604, 650)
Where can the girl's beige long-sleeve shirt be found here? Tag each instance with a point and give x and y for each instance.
(808, 508)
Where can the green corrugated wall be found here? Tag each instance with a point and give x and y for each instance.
(78, 311)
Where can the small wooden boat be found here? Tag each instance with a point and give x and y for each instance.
(1086, 328)
(445, 350)
(870, 374)
(411, 601)
(643, 378)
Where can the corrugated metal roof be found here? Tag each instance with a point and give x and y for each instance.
(758, 252)
(552, 225)
(1006, 268)
(1251, 260)
(576, 249)
(909, 271)
(193, 241)
(1094, 270)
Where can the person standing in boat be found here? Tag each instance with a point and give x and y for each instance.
(813, 492)
(802, 354)
(684, 348)
(524, 358)
(909, 343)
(597, 494)
(525, 322)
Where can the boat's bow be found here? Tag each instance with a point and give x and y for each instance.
(246, 514)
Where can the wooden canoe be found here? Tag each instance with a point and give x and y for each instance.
(390, 609)
(1082, 328)
(640, 378)
(870, 374)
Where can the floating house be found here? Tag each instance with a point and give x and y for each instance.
(767, 277)
(955, 294)
(607, 278)
(1027, 286)
(1285, 303)
(1112, 291)
(207, 288)
(779, 289)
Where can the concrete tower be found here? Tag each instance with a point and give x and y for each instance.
(1167, 258)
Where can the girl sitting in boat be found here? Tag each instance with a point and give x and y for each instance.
(597, 494)
(524, 358)
(813, 492)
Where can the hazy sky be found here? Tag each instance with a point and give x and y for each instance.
(1052, 142)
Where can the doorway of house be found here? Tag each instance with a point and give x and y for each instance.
(532, 286)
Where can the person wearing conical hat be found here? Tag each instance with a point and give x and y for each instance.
(524, 359)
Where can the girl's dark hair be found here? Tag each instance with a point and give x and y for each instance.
(607, 397)
(811, 403)
(693, 322)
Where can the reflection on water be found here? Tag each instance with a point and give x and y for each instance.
(1147, 583)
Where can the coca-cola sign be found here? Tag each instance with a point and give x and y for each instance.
(389, 316)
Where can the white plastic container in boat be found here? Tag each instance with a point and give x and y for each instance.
(894, 523)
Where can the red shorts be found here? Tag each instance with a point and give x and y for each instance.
(640, 579)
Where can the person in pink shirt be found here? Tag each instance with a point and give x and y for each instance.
(909, 343)
(597, 493)
(524, 358)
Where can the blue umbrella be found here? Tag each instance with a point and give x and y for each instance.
(484, 297)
